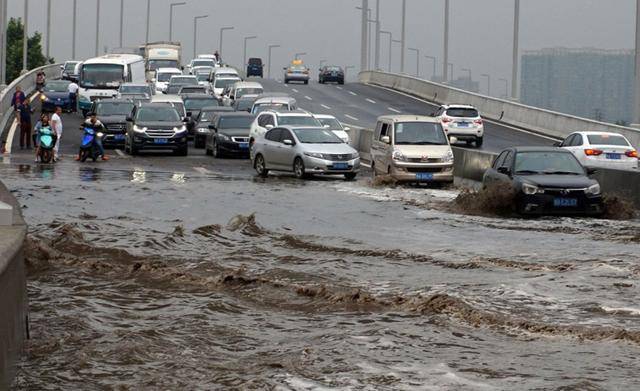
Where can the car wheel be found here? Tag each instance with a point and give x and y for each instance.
(479, 142)
(341, 82)
(374, 174)
(350, 176)
(306, 82)
(261, 166)
(199, 142)
(298, 168)
(183, 151)
(217, 153)
(286, 81)
(209, 152)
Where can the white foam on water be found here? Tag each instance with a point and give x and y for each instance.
(621, 310)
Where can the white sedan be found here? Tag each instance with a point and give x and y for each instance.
(602, 149)
(330, 122)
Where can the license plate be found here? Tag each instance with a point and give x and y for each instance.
(340, 166)
(463, 124)
(613, 156)
(565, 202)
(424, 176)
(119, 137)
(160, 141)
(244, 145)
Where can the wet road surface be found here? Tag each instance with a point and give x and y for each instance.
(162, 272)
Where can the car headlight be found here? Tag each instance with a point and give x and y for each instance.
(593, 189)
(223, 137)
(448, 158)
(136, 128)
(399, 156)
(355, 156)
(314, 154)
(530, 189)
(180, 129)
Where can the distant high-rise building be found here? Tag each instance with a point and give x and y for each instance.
(590, 83)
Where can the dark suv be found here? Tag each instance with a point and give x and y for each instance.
(156, 127)
(113, 114)
(331, 73)
(255, 67)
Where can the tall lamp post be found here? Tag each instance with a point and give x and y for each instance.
(25, 36)
(417, 60)
(390, 45)
(365, 37)
(97, 27)
(445, 61)
(403, 37)
(244, 58)
(171, 6)
(516, 41)
(3, 42)
(271, 47)
(48, 52)
(435, 60)
(73, 29)
(506, 88)
(148, 20)
(195, 33)
(222, 30)
(488, 83)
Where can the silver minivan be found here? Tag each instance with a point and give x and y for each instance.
(412, 148)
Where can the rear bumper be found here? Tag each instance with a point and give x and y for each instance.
(544, 204)
(332, 78)
(464, 134)
(296, 77)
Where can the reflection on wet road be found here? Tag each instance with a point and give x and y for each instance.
(144, 277)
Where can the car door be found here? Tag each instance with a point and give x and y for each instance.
(379, 148)
(285, 154)
(270, 143)
(491, 175)
(504, 172)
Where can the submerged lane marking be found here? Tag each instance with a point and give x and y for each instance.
(307, 97)
(326, 107)
(353, 93)
(371, 101)
(394, 110)
(351, 117)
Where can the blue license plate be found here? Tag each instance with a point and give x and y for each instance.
(613, 156)
(565, 202)
(424, 176)
(463, 124)
(160, 141)
(119, 137)
(340, 166)
(244, 145)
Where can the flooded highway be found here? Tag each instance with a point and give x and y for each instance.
(162, 273)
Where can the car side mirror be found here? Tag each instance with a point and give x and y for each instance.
(212, 127)
(453, 140)
(346, 128)
(62, 67)
(185, 120)
(269, 127)
(326, 126)
(591, 170)
(557, 144)
(248, 110)
(386, 139)
(504, 170)
(129, 119)
(287, 142)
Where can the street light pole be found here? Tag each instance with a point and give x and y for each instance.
(25, 35)
(269, 60)
(488, 83)
(417, 60)
(391, 45)
(3, 41)
(244, 59)
(48, 53)
(73, 33)
(445, 72)
(450, 66)
(506, 88)
(148, 20)
(121, 23)
(403, 37)
(222, 30)
(97, 27)
(195, 33)
(636, 108)
(365, 37)
(433, 75)
(171, 6)
(516, 41)
(377, 48)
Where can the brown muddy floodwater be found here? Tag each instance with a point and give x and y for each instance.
(142, 280)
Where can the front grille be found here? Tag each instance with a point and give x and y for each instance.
(116, 127)
(424, 169)
(337, 157)
(424, 160)
(160, 133)
(240, 139)
(564, 192)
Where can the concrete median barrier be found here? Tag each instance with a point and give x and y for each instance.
(13, 288)
(545, 122)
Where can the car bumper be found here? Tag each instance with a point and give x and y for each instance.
(113, 139)
(50, 105)
(143, 142)
(336, 78)
(464, 134)
(234, 148)
(408, 172)
(254, 71)
(297, 77)
(545, 204)
(627, 164)
(321, 166)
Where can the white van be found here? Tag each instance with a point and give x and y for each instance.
(242, 88)
(101, 77)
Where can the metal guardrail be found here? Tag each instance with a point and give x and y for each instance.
(28, 84)
(545, 122)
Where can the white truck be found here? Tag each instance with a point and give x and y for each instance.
(162, 55)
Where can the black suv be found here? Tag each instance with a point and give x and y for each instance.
(255, 67)
(113, 114)
(331, 73)
(156, 127)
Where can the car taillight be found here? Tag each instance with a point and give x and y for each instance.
(592, 152)
(632, 154)
(446, 120)
(478, 122)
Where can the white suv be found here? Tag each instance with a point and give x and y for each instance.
(270, 119)
(462, 122)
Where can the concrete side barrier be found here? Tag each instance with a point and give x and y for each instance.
(537, 120)
(13, 291)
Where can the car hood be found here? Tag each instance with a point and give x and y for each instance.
(160, 125)
(420, 151)
(235, 132)
(113, 119)
(57, 95)
(558, 181)
(339, 149)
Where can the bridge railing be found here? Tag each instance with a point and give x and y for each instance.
(545, 122)
(28, 84)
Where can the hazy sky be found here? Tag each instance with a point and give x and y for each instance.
(481, 30)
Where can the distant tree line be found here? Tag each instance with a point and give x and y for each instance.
(35, 58)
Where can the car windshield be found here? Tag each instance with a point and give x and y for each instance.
(243, 104)
(333, 69)
(198, 104)
(551, 162)
(608, 139)
(260, 107)
(333, 123)
(157, 114)
(102, 75)
(463, 113)
(298, 68)
(298, 120)
(156, 64)
(207, 116)
(419, 133)
(235, 122)
(203, 63)
(114, 108)
(248, 91)
(140, 90)
(222, 83)
(70, 66)
(184, 81)
(57, 86)
(317, 136)
(165, 77)
(255, 61)
(202, 77)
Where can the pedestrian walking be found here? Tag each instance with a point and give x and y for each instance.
(73, 95)
(24, 110)
(44, 122)
(56, 125)
(40, 81)
(18, 98)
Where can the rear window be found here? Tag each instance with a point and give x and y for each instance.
(607, 139)
(255, 61)
(463, 113)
